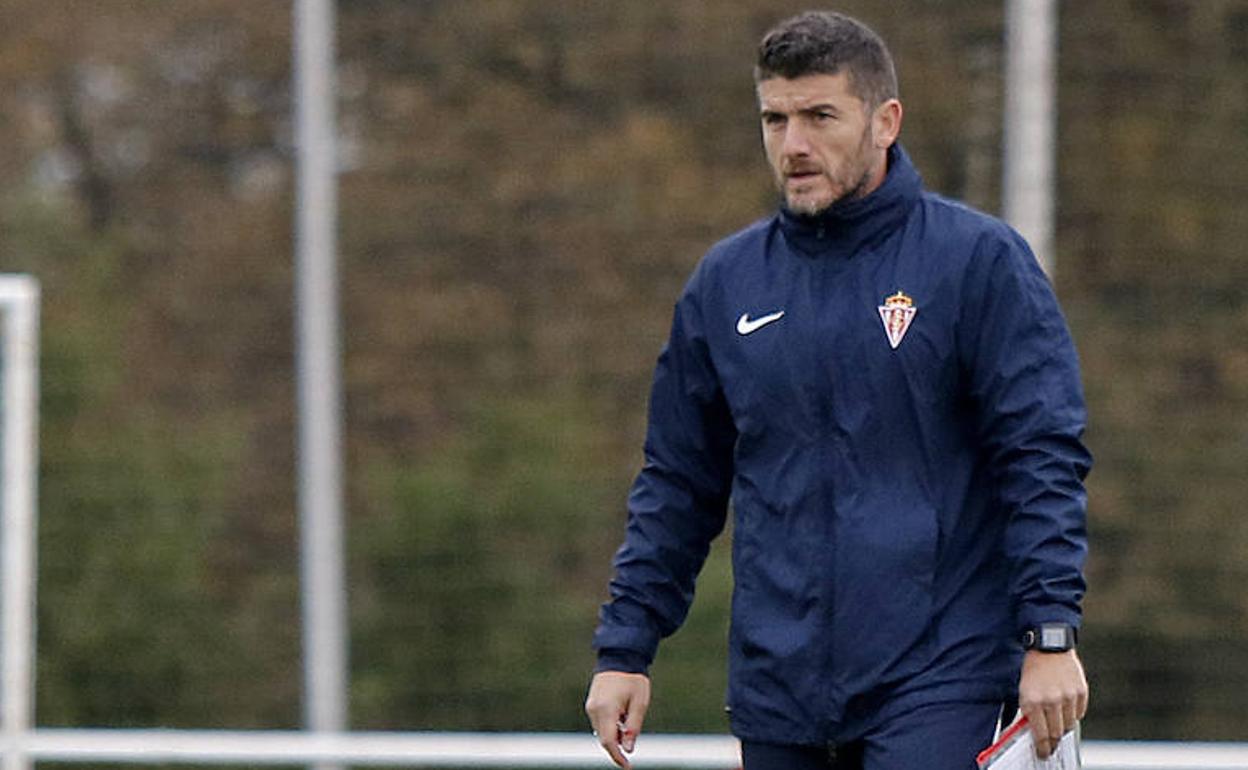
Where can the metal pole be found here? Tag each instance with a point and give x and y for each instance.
(322, 574)
(19, 484)
(1029, 187)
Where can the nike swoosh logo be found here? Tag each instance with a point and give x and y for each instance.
(746, 326)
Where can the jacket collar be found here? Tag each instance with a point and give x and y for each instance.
(850, 225)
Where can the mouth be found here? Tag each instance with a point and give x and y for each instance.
(800, 176)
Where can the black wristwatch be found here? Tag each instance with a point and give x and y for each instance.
(1050, 637)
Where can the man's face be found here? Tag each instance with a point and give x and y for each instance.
(821, 141)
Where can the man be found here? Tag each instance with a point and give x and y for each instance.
(882, 382)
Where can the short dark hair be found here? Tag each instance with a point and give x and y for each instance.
(827, 43)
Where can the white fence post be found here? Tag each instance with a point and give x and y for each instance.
(19, 298)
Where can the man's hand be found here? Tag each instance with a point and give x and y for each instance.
(1053, 695)
(616, 706)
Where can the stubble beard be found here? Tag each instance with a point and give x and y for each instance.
(800, 204)
(852, 185)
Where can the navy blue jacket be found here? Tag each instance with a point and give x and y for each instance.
(902, 452)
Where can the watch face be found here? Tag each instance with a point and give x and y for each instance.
(1053, 637)
(1050, 637)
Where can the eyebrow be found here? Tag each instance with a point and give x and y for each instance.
(767, 112)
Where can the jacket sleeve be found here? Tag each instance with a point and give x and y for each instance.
(1025, 386)
(678, 502)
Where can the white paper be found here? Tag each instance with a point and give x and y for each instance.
(1017, 751)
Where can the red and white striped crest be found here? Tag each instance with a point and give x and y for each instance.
(897, 313)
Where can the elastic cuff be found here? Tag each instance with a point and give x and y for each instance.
(627, 661)
(1032, 615)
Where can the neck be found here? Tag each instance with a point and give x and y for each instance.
(875, 176)
(850, 223)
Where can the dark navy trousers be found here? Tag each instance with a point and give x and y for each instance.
(940, 736)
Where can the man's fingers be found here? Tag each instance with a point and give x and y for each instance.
(1040, 732)
(613, 750)
(616, 705)
(1056, 724)
(607, 730)
(1070, 714)
(1053, 693)
(631, 726)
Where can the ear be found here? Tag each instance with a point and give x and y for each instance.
(886, 123)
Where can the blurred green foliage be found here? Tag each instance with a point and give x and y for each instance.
(472, 577)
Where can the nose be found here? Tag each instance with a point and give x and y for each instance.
(795, 140)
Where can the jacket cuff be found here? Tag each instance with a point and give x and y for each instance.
(1032, 615)
(627, 661)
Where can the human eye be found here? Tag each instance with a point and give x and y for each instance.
(773, 119)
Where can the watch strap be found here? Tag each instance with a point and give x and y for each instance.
(1050, 637)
